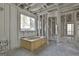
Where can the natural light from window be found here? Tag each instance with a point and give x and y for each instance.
(70, 29)
(27, 23)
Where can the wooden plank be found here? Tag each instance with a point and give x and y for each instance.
(33, 45)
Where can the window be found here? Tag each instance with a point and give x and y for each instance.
(27, 23)
(70, 29)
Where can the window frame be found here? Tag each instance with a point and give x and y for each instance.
(30, 21)
(71, 30)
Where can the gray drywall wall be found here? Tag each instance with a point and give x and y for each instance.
(13, 27)
(8, 25)
(2, 22)
(9, 21)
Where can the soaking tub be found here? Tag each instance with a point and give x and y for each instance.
(33, 43)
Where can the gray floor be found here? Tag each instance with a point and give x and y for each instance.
(53, 49)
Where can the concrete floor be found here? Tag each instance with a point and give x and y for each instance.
(53, 49)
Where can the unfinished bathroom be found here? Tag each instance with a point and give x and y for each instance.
(39, 29)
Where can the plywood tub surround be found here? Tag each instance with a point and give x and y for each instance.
(34, 43)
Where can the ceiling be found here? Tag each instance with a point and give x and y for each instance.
(37, 7)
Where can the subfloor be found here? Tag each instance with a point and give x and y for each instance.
(53, 49)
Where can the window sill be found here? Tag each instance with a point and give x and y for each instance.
(27, 30)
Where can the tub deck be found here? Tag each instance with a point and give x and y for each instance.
(34, 43)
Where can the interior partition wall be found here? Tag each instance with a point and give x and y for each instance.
(47, 26)
(52, 28)
(67, 27)
(77, 24)
(42, 25)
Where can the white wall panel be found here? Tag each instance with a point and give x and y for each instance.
(13, 27)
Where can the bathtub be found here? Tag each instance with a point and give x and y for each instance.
(33, 43)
